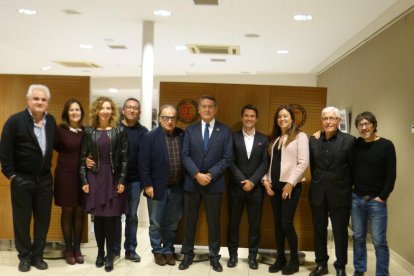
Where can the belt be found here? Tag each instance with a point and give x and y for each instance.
(367, 198)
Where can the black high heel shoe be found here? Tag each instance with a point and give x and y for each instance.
(109, 264)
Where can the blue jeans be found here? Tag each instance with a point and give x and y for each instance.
(164, 218)
(133, 190)
(374, 213)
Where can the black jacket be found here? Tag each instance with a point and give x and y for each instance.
(119, 152)
(20, 153)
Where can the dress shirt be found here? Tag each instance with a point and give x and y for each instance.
(248, 142)
(203, 126)
(40, 132)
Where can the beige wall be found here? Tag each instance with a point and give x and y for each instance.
(379, 77)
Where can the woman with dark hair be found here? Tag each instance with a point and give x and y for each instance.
(67, 187)
(289, 159)
(106, 143)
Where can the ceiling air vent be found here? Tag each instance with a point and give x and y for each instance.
(117, 47)
(214, 49)
(206, 2)
(77, 64)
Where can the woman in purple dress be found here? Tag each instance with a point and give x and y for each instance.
(67, 187)
(106, 143)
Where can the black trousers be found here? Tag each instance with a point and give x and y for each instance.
(212, 203)
(340, 220)
(238, 199)
(29, 198)
(284, 214)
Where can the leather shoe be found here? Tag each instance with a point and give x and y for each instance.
(357, 273)
(278, 265)
(109, 265)
(215, 264)
(319, 270)
(159, 259)
(69, 258)
(169, 258)
(253, 263)
(132, 256)
(24, 265)
(185, 263)
(39, 263)
(99, 261)
(232, 262)
(78, 257)
(340, 272)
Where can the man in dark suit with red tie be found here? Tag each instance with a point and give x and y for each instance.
(206, 154)
(247, 169)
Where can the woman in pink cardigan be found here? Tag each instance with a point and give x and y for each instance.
(289, 159)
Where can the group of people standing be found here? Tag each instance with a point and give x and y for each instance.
(102, 170)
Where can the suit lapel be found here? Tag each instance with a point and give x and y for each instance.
(214, 135)
(163, 143)
(240, 143)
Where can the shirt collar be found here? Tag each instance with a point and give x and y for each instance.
(247, 135)
(31, 114)
(212, 122)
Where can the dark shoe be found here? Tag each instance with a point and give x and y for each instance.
(278, 265)
(109, 265)
(24, 265)
(169, 258)
(215, 264)
(253, 263)
(69, 258)
(39, 264)
(291, 268)
(319, 270)
(132, 256)
(356, 273)
(159, 259)
(185, 263)
(99, 261)
(340, 272)
(232, 262)
(78, 257)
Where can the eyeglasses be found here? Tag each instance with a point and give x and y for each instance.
(329, 119)
(134, 108)
(168, 118)
(366, 125)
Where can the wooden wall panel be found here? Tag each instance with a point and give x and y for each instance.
(13, 89)
(231, 98)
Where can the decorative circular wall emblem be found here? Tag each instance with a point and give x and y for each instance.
(300, 114)
(188, 111)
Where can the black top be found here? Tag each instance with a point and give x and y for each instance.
(375, 168)
(134, 135)
(277, 158)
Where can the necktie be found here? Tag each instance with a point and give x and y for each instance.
(206, 136)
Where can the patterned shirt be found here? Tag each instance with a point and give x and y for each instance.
(174, 159)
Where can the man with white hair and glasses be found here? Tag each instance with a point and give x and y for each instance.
(330, 193)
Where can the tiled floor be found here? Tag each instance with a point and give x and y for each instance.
(9, 262)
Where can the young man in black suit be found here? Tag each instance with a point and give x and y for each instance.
(330, 193)
(26, 150)
(247, 169)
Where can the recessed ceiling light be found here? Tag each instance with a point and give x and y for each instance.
(218, 60)
(252, 35)
(282, 52)
(86, 46)
(180, 47)
(27, 11)
(46, 68)
(113, 90)
(302, 17)
(162, 13)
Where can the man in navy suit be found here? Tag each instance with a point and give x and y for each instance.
(247, 169)
(207, 153)
(161, 176)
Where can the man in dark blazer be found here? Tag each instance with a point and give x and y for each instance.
(26, 156)
(247, 170)
(162, 175)
(331, 159)
(207, 153)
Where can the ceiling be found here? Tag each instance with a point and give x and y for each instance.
(30, 43)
